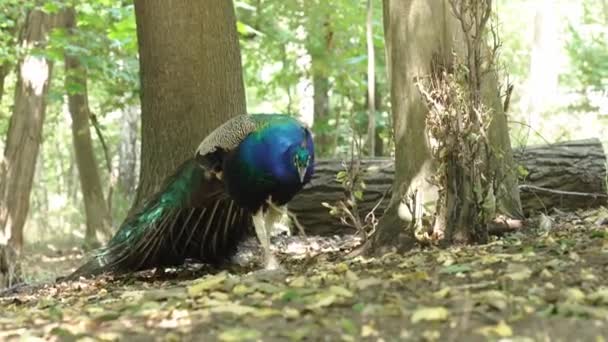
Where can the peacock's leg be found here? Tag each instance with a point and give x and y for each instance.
(273, 219)
(262, 231)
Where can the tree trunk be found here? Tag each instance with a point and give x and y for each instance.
(25, 127)
(403, 31)
(566, 176)
(4, 70)
(320, 84)
(98, 221)
(127, 152)
(319, 54)
(371, 82)
(410, 49)
(191, 80)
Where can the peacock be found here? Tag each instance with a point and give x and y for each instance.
(242, 176)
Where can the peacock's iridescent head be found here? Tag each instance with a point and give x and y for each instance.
(301, 160)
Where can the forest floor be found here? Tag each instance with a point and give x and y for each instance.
(546, 283)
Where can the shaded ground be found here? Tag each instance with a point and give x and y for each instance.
(547, 284)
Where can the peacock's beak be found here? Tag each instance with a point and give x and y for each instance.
(302, 173)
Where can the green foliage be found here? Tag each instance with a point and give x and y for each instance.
(105, 42)
(587, 47)
(280, 40)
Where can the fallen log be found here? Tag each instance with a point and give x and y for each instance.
(568, 175)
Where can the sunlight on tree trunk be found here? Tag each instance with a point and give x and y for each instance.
(191, 80)
(412, 191)
(98, 221)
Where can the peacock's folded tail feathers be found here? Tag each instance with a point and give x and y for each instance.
(191, 217)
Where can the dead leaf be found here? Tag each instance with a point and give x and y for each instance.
(501, 329)
(362, 284)
(340, 291)
(207, 283)
(438, 313)
(324, 301)
(518, 272)
(239, 334)
(233, 308)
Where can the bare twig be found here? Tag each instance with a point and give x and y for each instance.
(535, 188)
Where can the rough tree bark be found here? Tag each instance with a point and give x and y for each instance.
(567, 176)
(191, 80)
(403, 31)
(410, 49)
(23, 138)
(98, 220)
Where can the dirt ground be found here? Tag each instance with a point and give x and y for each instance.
(547, 283)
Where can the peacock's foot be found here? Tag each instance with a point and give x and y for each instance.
(272, 264)
(276, 274)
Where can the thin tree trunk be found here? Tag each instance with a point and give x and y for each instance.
(191, 80)
(320, 84)
(371, 81)
(319, 54)
(127, 152)
(98, 221)
(4, 71)
(25, 127)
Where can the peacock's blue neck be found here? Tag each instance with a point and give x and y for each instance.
(264, 163)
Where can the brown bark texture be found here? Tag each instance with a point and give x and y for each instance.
(567, 176)
(404, 28)
(577, 169)
(98, 220)
(191, 80)
(25, 126)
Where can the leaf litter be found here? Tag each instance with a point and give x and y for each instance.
(544, 283)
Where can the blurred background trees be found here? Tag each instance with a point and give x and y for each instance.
(308, 58)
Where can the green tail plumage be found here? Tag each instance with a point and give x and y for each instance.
(191, 217)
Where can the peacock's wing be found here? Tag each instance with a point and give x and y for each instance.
(191, 217)
(223, 139)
